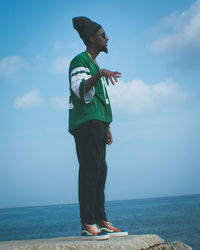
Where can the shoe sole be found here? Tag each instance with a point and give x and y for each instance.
(118, 234)
(101, 237)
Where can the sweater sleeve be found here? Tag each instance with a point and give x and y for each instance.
(79, 73)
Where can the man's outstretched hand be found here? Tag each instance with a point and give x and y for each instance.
(111, 76)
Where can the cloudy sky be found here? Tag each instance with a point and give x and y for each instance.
(156, 106)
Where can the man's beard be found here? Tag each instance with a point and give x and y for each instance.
(104, 49)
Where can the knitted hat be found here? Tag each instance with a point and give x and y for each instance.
(85, 27)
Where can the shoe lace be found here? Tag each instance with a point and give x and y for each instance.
(95, 228)
(110, 224)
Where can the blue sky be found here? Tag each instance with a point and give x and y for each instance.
(156, 105)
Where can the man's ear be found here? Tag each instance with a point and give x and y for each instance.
(92, 39)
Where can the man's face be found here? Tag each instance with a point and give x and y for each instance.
(101, 41)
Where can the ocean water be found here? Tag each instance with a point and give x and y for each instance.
(172, 218)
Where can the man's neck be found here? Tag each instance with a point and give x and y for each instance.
(92, 52)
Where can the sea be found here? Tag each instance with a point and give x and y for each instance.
(174, 218)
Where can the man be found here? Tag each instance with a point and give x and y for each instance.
(89, 118)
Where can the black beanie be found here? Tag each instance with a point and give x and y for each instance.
(85, 27)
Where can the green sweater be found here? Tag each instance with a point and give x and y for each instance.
(94, 104)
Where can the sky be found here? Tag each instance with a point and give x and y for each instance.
(156, 106)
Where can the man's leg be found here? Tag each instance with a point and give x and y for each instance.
(100, 214)
(90, 140)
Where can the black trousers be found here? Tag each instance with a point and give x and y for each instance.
(90, 139)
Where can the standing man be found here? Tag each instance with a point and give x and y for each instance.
(89, 118)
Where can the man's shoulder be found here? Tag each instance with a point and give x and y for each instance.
(80, 58)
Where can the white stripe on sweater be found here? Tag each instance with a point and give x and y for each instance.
(75, 86)
(79, 69)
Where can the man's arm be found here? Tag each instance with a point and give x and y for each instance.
(109, 75)
(109, 135)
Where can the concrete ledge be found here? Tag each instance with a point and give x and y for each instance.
(134, 242)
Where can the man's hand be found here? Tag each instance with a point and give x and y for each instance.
(109, 75)
(109, 135)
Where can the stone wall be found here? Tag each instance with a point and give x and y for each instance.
(132, 242)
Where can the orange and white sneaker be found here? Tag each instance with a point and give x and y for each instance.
(93, 232)
(108, 228)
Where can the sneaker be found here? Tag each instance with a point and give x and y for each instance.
(93, 232)
(108, 228)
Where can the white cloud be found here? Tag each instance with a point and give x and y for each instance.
(29, 100)
(184, 31)
(40, 58)
(138, 97)
(60, 102)
(58, 45)
(60, 65)
(77, 45)
(11, 65)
